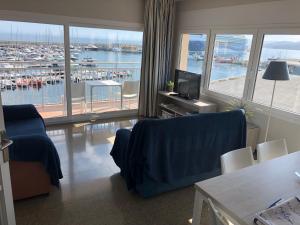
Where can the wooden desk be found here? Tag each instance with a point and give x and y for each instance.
(244, 193)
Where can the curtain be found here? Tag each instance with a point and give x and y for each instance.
(157, 52)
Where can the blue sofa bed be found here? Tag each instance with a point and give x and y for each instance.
(32, 151)
(160, 155)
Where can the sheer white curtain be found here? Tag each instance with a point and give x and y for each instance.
(157, 52)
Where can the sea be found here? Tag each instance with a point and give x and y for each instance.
(53, 94)
(225, 70)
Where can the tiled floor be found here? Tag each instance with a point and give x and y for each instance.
(58, 110)
(92, 191)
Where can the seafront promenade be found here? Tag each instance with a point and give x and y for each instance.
(287, 95)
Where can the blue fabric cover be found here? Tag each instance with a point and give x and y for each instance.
(164, 154)
(26, 128)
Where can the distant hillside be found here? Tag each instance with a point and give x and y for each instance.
(59, 39)
(283, 45)
(232, 43)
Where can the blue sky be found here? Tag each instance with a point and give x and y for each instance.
(41, 32)
(105, 34)
(197, 37)
(274, 37)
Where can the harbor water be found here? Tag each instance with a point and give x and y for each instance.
(130, 62)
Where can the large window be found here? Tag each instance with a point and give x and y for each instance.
(192, 52)
(232, 57)
(287, 95)
(105, 69)
(32, 66)
(229, 66)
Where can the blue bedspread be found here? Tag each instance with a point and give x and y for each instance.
(26, 128)
(170, 150)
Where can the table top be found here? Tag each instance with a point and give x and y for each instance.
(103, 83)
(244, 193)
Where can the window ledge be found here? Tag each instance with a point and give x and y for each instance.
(278, 113)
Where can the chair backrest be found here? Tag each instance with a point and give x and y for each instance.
(217, 216)
(237, 159)
(271, 149)
(78, 90)
(131, 87)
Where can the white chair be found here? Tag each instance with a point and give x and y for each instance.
(271, 149)
(78, 94)
(130, 90)
(237, 159)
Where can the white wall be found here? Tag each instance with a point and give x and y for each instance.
(259, 14)
(280, 128)
(267, 14)
(130, 11)
(206, 4)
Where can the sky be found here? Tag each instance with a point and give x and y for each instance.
(268, 38)
(276, 37)
(41, 32)
(197, 37)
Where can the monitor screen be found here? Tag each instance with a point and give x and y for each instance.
(187, 84)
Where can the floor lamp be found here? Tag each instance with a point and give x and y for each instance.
(276, 71)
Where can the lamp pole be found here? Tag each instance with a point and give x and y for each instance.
(270, 112)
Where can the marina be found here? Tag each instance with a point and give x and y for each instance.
(34, 72)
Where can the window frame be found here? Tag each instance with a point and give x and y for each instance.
(204, 32)
(261, 35)
(214, 33)
(278, 113)
(67, 22)
(249, 88)
(207, 32)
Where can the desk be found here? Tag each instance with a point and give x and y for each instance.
(103, 83)
(244, 193)
(180, 106)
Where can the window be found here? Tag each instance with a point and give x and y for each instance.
(230, 59)
(105, 69)
(287, 94)
(32, 66)
(192, 53)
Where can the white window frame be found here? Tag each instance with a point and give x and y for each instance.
(261, 34)
(276, 112)
(67, 22)
(258, 32)
(207, 44)
(215, 32)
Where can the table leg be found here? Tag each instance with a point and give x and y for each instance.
(198, 203)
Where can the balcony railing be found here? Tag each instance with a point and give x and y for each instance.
(43, 84)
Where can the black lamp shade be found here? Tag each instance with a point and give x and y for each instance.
(277, 70)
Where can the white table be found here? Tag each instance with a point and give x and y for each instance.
(244, 193)
(103, 83)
